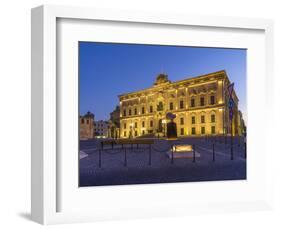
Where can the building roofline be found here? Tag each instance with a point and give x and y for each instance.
(178, 82)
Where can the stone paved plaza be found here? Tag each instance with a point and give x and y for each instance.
(116, 168)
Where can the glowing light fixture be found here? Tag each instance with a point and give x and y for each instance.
(182, 148)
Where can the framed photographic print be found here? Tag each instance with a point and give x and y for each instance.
(137, 114)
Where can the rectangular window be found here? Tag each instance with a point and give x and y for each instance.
(82, 120)
(182, 131)
(202, 130)
(136, 111)
(125, 126)
(213, 118)
(151, 123)
(182, 121)
(193, 120)
(202, 119)
(192, 103)
(130, 112)
(202, 101)
(143, 124)
(181, 104)
(193, 132)
(212, 100)
(171, 106)
(151, 109)
(142, 110)
(136, 125)
(143, 132)
(87, 121)
(213, 129)
(136, 133)
(125, 133)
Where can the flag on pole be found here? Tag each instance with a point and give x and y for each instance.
(230, 100)
(230, 90)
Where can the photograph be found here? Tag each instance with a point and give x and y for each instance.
(153, 113)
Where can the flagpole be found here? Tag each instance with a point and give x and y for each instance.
(231, 146)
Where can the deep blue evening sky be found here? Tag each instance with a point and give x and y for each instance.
(108, 70)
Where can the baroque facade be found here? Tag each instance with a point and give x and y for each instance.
(199, 103)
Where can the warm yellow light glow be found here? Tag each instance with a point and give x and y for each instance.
(182, 148)
(164, 121)
(220, 109)
(220, 101)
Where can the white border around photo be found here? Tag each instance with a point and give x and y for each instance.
(56, 196)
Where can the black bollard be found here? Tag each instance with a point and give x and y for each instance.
(125, 158)
(149, 157)
(111, 144)
(172, 160)
(231, 148)
(214, 156)
(99, 158)
(193, 154)
(245, 150)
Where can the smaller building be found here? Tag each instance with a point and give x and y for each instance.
(101, 129)
(114, 123)
(86, 125)
(241, 124)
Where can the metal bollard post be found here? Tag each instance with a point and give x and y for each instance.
(214, 156)
(172, 160)
(125, 158)
(193, 154)
(245, 150)
(231, 149)
(149, 158)
(99, 158)
(111, 144)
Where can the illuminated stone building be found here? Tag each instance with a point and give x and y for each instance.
(199, 103)
(86, 125)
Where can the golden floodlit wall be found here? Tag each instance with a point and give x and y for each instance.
(200, 104)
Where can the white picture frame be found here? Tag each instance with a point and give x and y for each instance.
(46, 181)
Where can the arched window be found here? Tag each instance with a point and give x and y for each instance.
(213, 118)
